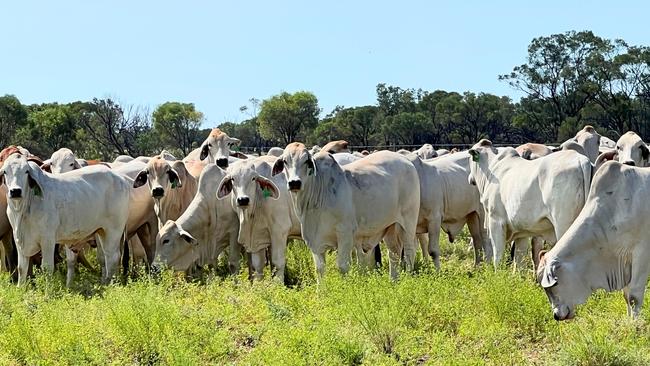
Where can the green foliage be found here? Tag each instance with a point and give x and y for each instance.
(177, 124)
(286, 117)
(12, 116)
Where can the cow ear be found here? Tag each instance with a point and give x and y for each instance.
(76, 164)
(47, 166)
(33, 184)
(187, 237)
(474, 154)
(235, 141)
(2, 177)
(269, 189)
(278, 167)
(225, 187)
(238, 155)
(549, 276)
(645, 153)
(141, 179)
(174, 179)
(541, 255)
(205, 149)
(311, 166)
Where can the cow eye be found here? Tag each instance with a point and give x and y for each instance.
(71, 164)
(166, 241)
(209, 145)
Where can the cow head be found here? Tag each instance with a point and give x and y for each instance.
(563, 284)
(62, 161)
(22, 179)
(631, 150)
(589, 139)
(298, 164)
(480, 154)
(161, 176)
(248, 187)
(218, 147)
(175, 247)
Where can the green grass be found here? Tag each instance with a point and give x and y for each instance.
(460, 315)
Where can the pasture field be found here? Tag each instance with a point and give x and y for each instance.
(459, 316)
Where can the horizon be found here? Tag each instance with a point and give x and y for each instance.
(218, 56)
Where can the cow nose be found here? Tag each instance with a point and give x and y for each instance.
(556, 316)
(222, 163)
(629, 162)
(243, 201)
(158, 192)
(295, 184)
(15, 193)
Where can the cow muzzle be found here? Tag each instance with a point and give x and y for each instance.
(563, 313)
(222, 163)
(158, 192)
(294, 185)
(15, 193)
(243, 201)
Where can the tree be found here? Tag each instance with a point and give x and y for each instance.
(178, 124)
(286, 116)
(12, 115)
(49, 127)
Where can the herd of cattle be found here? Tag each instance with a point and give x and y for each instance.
(585, 197)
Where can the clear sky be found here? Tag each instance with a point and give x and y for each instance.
(218, 54)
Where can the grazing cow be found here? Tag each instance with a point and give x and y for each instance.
(447, 200)
(606, 247)
(531, 151)
(426, 152)
(172, 187)
(275, 151)
(264, 208)
(69, 208)
(373, 198)
(218, 147)
(631, 150)
(524, 198)
(203, 231)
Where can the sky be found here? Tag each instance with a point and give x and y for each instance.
(219, 54)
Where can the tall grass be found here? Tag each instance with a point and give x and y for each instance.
(460, 315)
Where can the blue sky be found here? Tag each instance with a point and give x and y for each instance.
(219, 54)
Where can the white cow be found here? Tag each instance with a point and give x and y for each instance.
(264, 208)
(171, 186)
(606, 247)
(590, 140)
(218, 147)
(203, 231)
(373, 198)
(275, 151)
(70, 208)
(447, 200)
(426, 152)
(523, 198)
(631, 150)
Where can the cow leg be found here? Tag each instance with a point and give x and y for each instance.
(497, 235)
(394, 251)
(319, 261)
(434, 241)
(71, 260)
(279, 254)
(47, 259)
(635, 290)
(520, 249)
(234, 256)
(110, 244)
(423, 239)
(344, 251)
(538, 244)
(474, 226)
(259, 261)
(23, 267)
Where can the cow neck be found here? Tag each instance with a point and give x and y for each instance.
(318, 187)
(484, 171)
(249, 219)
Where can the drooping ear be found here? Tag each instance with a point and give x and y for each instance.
(269, 189)
(76, 165)
(541, 255)
(47, 166)
(311, 165)
(474, 154)
(141, 179)
(205, 149)
(235, 141)
(2, 177)
(33, 184)
(187, 237)
(238, 155)
(225, 187)
(278, 167)
(605, 157)
(645, 153)
(174, 179)
(549, 277)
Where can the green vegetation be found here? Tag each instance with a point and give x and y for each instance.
(461, 315)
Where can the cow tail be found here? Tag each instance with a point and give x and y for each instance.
(125, 255)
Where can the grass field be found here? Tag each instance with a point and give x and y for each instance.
(461, 315)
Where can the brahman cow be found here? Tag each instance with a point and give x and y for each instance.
(171, 186)
(426, 152)
(631, 150)
(373, 198)
(523, 198)
(264, 208)
(589, 140)
(447, 200)
(203, 231)
(275, 151)
(606, 247)
(218, 147)
(70, 208)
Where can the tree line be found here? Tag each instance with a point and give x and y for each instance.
(568, 80)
